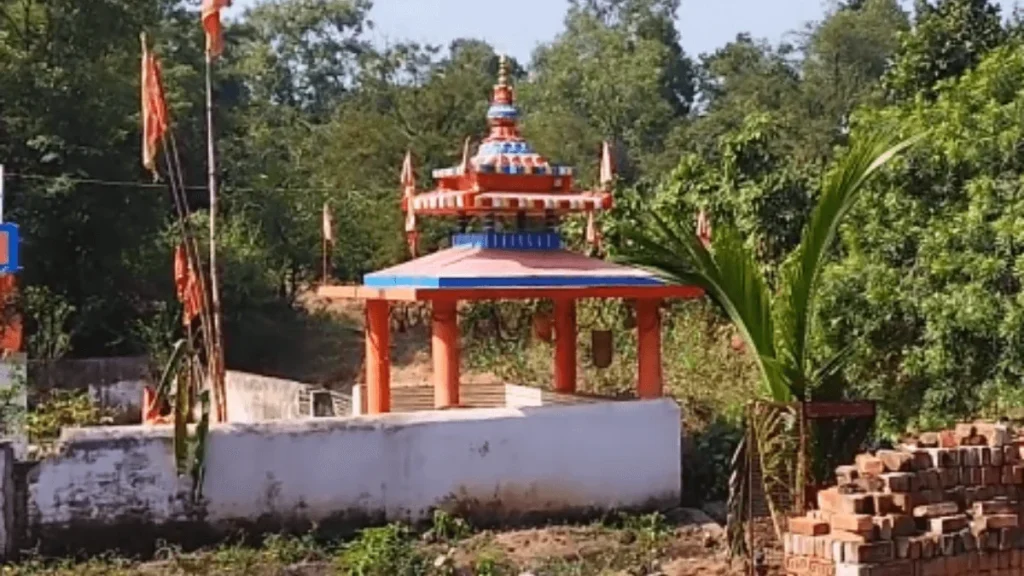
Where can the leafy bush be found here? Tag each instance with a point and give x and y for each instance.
(386, 551)
(61, 408)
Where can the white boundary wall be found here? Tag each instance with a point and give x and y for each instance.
(401, 466)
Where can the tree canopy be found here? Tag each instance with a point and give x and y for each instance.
(925, 283)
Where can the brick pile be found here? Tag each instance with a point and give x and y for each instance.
(940, 504)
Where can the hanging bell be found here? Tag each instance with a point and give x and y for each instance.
(601, 348)
(542, 327)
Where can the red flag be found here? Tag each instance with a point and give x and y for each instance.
(187, 285)
(154, 108)
(212, 26)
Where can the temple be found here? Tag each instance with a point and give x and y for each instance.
(507, 202)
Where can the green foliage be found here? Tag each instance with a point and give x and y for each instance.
(706, 472)
(777, 328)
(386, 551)
(447, 528)
(929, 284)
(59, 409)
(949, 38)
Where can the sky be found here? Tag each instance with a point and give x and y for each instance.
(520, 25)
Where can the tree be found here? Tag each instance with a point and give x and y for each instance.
(602, 79)
(651, 20)
(70, 121)
(845, 57)
(948, 39)
(930, 283)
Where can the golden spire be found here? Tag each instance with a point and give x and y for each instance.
(502, 70)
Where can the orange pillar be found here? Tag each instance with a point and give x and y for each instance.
(565, 346)
(648, 324)
(378, 356)
(445, 346)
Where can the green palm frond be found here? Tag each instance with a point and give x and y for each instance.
(801, 274)
(730, 277)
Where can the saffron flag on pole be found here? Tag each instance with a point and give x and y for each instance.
(154, 108)
(187, 285)
(328, 225)
(607, 174)
(212, 26)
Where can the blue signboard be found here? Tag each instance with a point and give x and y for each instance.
(10, 243)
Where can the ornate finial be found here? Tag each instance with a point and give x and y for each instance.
(503, 70)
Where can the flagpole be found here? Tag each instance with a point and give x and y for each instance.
(216, 367)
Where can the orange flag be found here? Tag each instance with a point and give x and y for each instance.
(187, 285)
(704, 228)
(607, 174)
(212, 26)
(154, 108)
(328, 224)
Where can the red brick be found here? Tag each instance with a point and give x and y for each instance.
(899, 481)
(868, 465)
(1018, 474)
(930, 479)
(921, 459)
(844, 536)
(991, 507)
(895, 460)
(950, 477)
(997, 435)
(948, 524)
(846, 474)
(905, 548)
(867, 553)
(964, 431)
(932, 567)
(928, 440)
(857, 523)
(995, 456)
(884, 504)
(947, 439)
(830, 500)
(995, 522)
(1007, 475)
(1009, 538)
(807, 526)
(991, 476)
(936, 510)
(903, 503)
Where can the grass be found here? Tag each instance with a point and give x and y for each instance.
(448, 547)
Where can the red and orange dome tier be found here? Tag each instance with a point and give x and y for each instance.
(506, 176)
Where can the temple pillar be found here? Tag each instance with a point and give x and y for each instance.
(378, 356)
(444, 344)
(565, 346)
(648, 324)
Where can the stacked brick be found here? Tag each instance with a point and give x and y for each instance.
(941, 504)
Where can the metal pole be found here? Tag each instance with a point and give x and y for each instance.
(216, 367)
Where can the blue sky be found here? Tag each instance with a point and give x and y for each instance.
(517, 26)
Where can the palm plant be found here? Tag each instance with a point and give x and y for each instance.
(775, 325)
